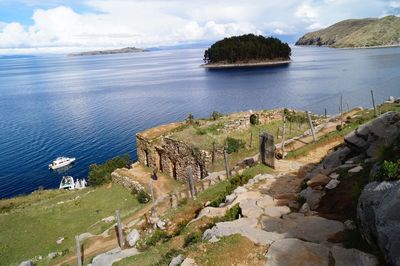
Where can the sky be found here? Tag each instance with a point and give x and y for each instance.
(55, 25)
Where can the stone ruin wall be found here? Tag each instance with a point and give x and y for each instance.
(172, 157)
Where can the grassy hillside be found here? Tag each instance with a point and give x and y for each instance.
(367, 32)
(30, 225)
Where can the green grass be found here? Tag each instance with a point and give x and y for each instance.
(30, 225)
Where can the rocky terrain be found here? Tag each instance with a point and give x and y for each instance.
(367, 32)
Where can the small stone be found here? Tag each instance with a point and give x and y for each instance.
(207, 203)
(239, 190)
(52, 255)
(334, 176)
(305, 208)
(188, 262)
(356, 169)
(318, 180)
(60, 240)
(161, 224)
(332, 184)
(230, 198)
(349, 162)
(133, 237)
(176, 260)
(108, 219)
(214, 239)
(349, 225)
(26, 263)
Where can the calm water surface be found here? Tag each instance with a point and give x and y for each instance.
(91, 107)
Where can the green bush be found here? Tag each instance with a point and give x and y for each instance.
(190, 118)
(339, 128)
(192, 238)
(156, 237)
(101, 173)
(234, 145)
(166, 258)
(143, 197)
(254, 120)
(216, 115)
(389, 171)
(201, 131)
(233, 213)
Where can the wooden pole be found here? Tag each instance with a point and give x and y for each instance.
(311, 126)
(213, 154)
(119, 225)
(226, 163)
(373, 101)
(78, 251)
(251, 139)
(325, 113)
(191, 184)
(283, 133)
(341, 111)
(153, 207)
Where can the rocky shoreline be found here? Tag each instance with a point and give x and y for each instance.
(252, 64)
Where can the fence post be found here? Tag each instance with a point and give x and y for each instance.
(341, 111)
(213, 154)
(311, 125)
(190, 179)
(373, 101)
(251, 139)
(226, 164)
(78, 251)
(283, 133)
(120, 237)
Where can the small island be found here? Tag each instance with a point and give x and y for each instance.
(356, 33)
(113, 51)
(247, 51)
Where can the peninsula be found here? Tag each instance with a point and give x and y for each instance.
(357, 33)
(113, 51)
(247, 51)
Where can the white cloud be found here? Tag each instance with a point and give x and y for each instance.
(119, 23)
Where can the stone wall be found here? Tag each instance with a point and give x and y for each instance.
(172, 157)
(126, 182)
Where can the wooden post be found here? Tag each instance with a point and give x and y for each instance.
(226, 163)
(277, 133)
(311, 126)
(283, 134)
(191, 182)
(348, 107)
(78, 251)
(325, 113)
(373, 101)
(341, 111)
(119, 225)
(152, 195)
(251, 139)
(213, 154)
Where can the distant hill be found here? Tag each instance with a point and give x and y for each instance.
(246, 50)
(367, 32)
(113, 51)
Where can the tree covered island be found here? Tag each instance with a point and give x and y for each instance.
(247, 50)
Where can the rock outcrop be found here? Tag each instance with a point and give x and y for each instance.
(378, 213)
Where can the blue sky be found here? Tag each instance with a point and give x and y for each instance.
(56, 25)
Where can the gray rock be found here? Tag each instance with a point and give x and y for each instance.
(349, 225)
(109, 257)
(352, 257)
(188, 262)
(244, 227)
(311, 228)
(176, 261)
(356, 169)
(52, 255)
(336, 158)
(379, 218)
(230, 198)
(312, 197)
(133, 237)
(26, 263)
(332, 184)
(84, 236)
(108, 219)
(276, 211)
(334, 176)
(60, 240)
(250, 208)
(239, 190)
(161, 224)
(292, 251)
(305, 208)
(214, 239)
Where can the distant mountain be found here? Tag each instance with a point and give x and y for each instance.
(367, 32)
(113, 51)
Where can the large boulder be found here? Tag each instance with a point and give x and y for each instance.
(370, 137)
(378, 213)
(133, 237)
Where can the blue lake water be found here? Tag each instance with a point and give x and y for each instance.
(91, 107)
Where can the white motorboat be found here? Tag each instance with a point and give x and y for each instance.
(67, 182)
(61, 162)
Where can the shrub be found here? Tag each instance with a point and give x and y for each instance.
(254, 120)
(192, 238)
(233, 213)
(234, 145)
(156, 237)
(216, 115)
(166, 258)
(143, 197)
(389, 171)
(101, 173)
(190, 118)
(339, 128)
(201, 131)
